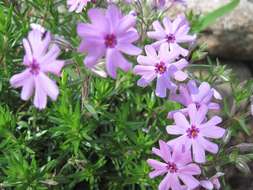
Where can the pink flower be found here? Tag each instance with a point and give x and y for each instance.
(194, 133)
(189, 93)
(110, 34)
(161, 66)
(39, 60)
(177, 166)
(173, 33)
(213, 182)
(77, 5)
(163, 4)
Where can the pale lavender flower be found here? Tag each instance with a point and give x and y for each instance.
(35, 26)
(174, 33)
(194, 133)
(163, 4)
(177, 166)
(213, 182)
(183, 2)
(161, 66)
(157, 4)
(40, 58)
(77, 5)
(110, 34)
(190, 93)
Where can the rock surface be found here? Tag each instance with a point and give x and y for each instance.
(231, 37)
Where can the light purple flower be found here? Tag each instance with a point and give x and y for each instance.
(183, 2)
(173, 33)
(190, 93)
(157, 4)
(163, 4)
(77, 5)
(177, 166)
(162, 66)
(40, 58)
(213, 182)
(110, 34)
(194, 133)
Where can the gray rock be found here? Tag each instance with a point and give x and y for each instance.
(231, 37)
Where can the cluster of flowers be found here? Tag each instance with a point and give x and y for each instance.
(109, 35)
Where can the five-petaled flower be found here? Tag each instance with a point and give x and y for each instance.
(173, 33)
(194, 133)
(213, 182)
(190, 93)
(40, 59)
(161, 65)
(77, 5)
(109, 34)
(177, 166)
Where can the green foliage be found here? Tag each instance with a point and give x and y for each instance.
(204, 21)
(100, 132)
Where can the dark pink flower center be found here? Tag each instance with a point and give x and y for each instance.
(110, 41)
(160, 68)
(34, 67)
(192, 132)
(197, 105)
(172, 167)
(170, 38)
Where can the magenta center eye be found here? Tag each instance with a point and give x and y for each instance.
(160, 68)
(197, 105)
(172, 167)
(34, 67)
(192, 132)
(170, 38)
(110, 41)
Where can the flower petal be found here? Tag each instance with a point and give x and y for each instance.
(213, 121)
(181, 121)
(19, 80)
(40, 98)
(213, 106)
(121, 62)
(206, 184)
(175, 130)
(93, 57)
(27, 89)
(156, 164)
(144, 70)
(178, 49)
(166, 182)
(209, 146)
(53, 67)
(198, 152)
(192, 113)
(125, 23)
(190, 169)
(165, 151)
(156, 173)
(28, 50)
(161, 87)
(201, 114)
(212, 132)
(51, 55)
(158, 27)
(190, 181)
(129, 37)
(167, 25)
(180, 75)
(129, 49)
(49, 86)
